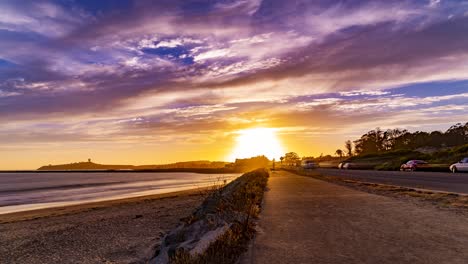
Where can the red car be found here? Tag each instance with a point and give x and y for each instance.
(414, 165)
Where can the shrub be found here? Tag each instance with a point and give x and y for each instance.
(218, 231)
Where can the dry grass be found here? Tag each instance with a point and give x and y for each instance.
(238, 203)
(440, 199)
(226, 249)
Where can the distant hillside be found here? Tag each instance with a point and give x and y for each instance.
(178, 165)
(86, 166)
(202, 164)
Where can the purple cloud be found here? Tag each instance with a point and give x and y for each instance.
(131, 66)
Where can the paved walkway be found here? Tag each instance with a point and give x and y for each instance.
(305, 220)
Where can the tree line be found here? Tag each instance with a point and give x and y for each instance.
(378, 141)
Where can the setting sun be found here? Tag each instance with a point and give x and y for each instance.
(255, 142)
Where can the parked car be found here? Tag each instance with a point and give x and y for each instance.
(340, 166)
(308, 164)
(347, 166)
(414, 165)
(462, 165)
(357, 166)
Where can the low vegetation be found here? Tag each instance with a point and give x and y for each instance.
(392, 160)
(441, 199)
(378, 141)
(219, 230)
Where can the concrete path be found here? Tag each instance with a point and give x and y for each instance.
(305, 220)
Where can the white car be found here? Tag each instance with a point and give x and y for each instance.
(460, 166)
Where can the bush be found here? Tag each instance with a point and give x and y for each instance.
(218, 231)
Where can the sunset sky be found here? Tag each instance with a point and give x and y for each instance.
(150, 82)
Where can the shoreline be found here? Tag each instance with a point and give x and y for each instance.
(27, 192)
(192, 170)
(89, 206)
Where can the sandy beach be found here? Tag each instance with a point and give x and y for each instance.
(119, 231)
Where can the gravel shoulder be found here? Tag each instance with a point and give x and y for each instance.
(122, 231)
(440, 181)
(305, 220)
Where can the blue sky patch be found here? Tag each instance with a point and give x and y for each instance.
(433, 88)
(179, 53)
(5, 63)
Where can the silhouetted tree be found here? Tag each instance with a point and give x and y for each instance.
(437, 139)
(339, 153)
(291, 158)
(457, 135)
(376, 141)
(371, 142)
(349, 148)
(391, 137)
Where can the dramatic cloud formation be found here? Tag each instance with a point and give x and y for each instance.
(157, 81)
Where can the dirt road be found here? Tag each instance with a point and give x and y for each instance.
(305, 220)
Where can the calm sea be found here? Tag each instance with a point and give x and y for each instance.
(28, 191)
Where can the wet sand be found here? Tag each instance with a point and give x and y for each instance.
(119, 231)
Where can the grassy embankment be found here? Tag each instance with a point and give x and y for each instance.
(393, 160)
(219, 230)
(448, 200)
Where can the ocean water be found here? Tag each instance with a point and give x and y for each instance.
(29, 191)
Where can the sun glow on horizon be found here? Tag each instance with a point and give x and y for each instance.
(255, 142)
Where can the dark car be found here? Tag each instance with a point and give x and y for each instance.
(414, 165)
(308, 164)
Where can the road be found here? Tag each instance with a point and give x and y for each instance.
(440, 181)
(305, 220)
